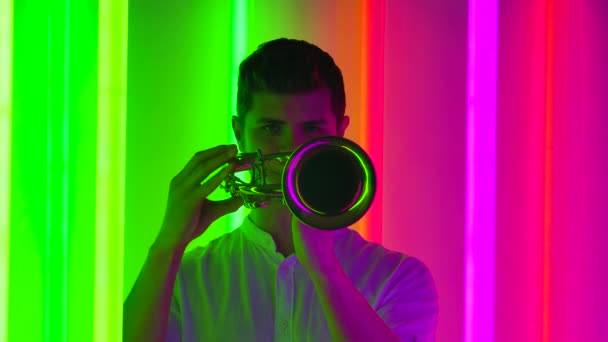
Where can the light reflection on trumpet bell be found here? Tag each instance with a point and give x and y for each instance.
(328, 182)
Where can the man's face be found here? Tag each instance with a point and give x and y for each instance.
(280, 123)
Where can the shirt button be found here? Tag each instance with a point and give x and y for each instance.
(283, 326)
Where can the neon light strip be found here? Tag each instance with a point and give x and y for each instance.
(481, 171)
(57, 201)
(550, 53)
(6, 74)
(364, 70)
(371, 105)
(239, 43)
(469, 264)
(239, 24)
(49, 196)
(111, 119)
(66, 175)
(364, 101)
(57, 176)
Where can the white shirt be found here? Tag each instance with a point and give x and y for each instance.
(239, 288)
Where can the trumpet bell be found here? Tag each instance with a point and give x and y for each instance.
(329, 183)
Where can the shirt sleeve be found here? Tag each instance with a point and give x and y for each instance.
(174, 326)
(409, 303)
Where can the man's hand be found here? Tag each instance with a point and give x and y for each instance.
(314, 247)
(349, 316)
(189, 213)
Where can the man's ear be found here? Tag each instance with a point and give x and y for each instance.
(237, 129)
(342, 125)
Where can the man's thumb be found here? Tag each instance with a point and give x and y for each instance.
(231, 205)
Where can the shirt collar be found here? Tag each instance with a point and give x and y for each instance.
(256, 234)
(264, 239)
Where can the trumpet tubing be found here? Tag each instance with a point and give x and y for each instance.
(328, 182)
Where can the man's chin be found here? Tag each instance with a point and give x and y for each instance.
(276, 182)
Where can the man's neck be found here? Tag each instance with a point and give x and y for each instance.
(275, 219)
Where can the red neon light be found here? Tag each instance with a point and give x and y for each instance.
(371, 105)
(546, 281)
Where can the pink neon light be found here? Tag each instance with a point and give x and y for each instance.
(481, 171)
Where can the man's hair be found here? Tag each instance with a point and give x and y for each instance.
(289, 66)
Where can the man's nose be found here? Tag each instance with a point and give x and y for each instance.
(289, 141)
(293, 141)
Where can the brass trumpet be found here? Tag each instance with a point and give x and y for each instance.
(328, 182)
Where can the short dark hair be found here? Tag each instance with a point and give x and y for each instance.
(289, 66)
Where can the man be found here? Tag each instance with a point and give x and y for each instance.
(274, 278)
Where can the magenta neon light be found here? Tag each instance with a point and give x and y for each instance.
(481, 171)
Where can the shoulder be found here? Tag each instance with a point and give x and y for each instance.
(413, 274)
(352, 246)
(411, 282)
(409, 301)
(396, 267)
(218, 248)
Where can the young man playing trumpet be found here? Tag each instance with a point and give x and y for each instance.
(274, 277)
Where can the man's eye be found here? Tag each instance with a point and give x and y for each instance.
(312, 129)
(271, 128)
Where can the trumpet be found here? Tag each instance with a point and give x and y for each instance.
(328, 182)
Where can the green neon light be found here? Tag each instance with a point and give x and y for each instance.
(239, 43)
(111, 119)
(6, 74)
(239, 17)
(57, 176)
(29, 255)
(65, 153)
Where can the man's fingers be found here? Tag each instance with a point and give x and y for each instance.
(212, 183)
(227, 206)
(217, 209)
(207, 167)
(201, 157)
